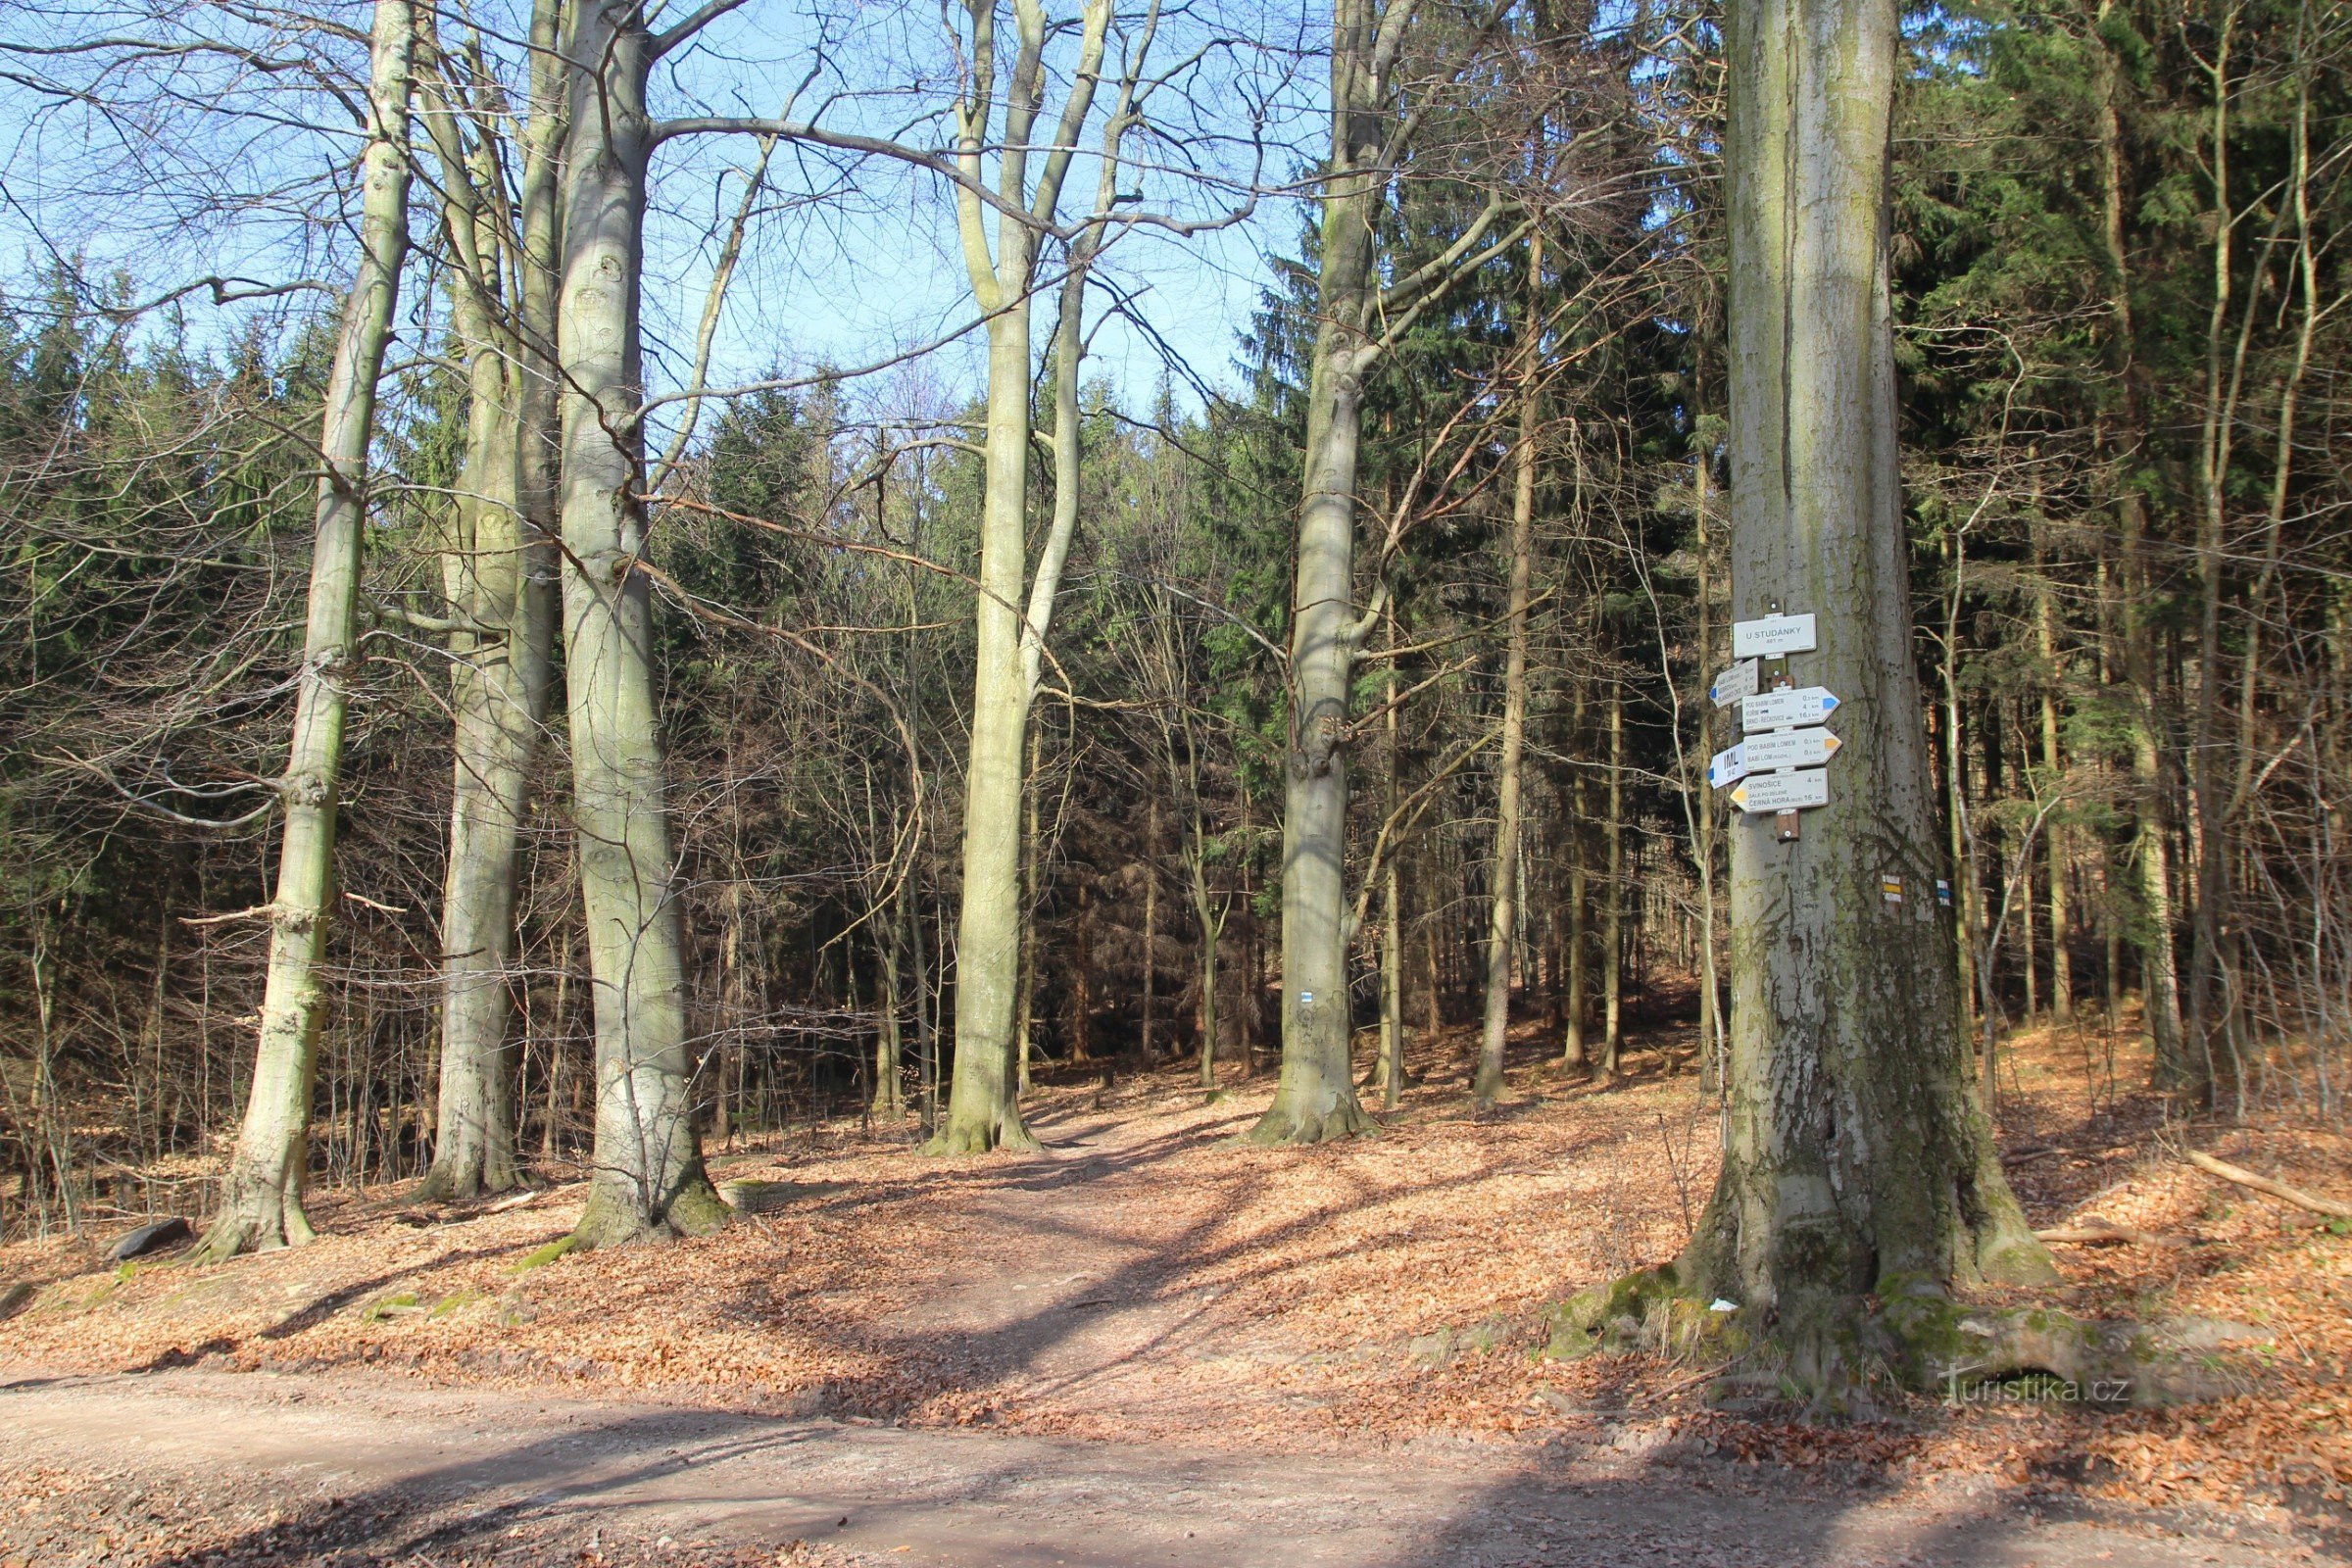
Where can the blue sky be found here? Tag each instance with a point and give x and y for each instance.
(846, 264)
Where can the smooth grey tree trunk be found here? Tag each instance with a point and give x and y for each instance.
(499, 579)
(983, 1105)
(648, 1174)
(262, 1195)
(1856, 1159)
(1315, 1099)
(1503, 917)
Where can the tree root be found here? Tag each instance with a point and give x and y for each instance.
(1008, 1133)
(261, 1218)
(1834, 1352)
(1280, 1125)
(612, 1218)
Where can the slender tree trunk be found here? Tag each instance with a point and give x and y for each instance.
(1503, 922)
(984, 1108)
(1212, 928)
(2053, 766)
(1612, 917)
(1151, 917)
(1391, 908)
(648, 1166)
(1082, 992)
(2210, 908)
(499, 581)
(889, 1102)
(1026, 1019)
(262, 1196)
(1580, 935)
(1856, 1159)
(1712, 1041)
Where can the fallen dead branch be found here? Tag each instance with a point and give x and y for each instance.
(2098, 1233)
(2262, 1184)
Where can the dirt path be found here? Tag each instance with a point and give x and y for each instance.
(1088, 1292)
(384, 1471)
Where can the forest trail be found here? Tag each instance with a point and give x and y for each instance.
(1143, 1345)
(356, 1467)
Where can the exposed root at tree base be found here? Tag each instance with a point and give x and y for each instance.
(1282, 1125)
(450, 1185)
(612, 1219)
(259, 1221)
(1009, 1135)
(1832, 1352)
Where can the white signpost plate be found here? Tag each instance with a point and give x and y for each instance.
(1735, 683)
(1772, 637)
(1783, 791)
(1789, 748)
(1786, 709)
(1729, 767)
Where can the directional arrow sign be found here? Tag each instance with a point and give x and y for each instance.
(1786, 709)
(1772, 637)
(1787, 747)
(1735, 683)
(1730, 766)
(1783, 791)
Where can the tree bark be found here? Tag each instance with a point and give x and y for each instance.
(1315, 1099)
(498, 579)
(2160, 984)
(982, 1108)
(1150, 915)
(1856, 1160)
(2053, 766)
(1579, 934)
(648, 1176)
(1503, 921)
(262, 1195)
(1391, 909)
(1612, 916)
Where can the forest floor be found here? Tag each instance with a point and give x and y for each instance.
(1149, 1345)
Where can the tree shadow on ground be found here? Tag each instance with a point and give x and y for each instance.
(722, 1482)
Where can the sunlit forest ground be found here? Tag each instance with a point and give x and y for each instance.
(1145, 1280)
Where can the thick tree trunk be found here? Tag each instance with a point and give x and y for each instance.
(498, 578)
(2160, 986)
(648, 1166)
(983, 1110)
(262, 1195)
(1856, 1159)
(1502, 921)
(1316, 1098)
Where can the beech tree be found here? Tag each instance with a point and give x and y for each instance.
(983, 1107)
(262, 1196)
(1857, 1160)
(1357, 318)
(498, 575)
